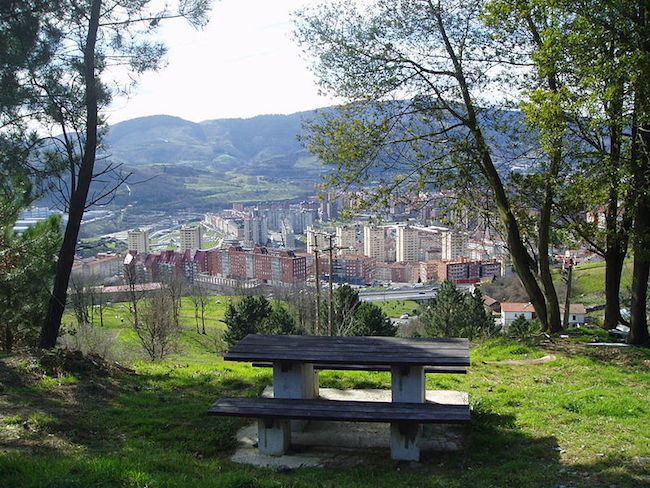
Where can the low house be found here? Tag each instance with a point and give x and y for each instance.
(577, 314)
(491, 303)
(511, 310)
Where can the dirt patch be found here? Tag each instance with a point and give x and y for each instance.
(628, 357)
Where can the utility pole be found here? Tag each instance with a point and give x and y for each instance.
(567, 301)
(331, 290)
(315, 247)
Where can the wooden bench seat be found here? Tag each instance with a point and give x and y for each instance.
(374, 367)
(339, 410)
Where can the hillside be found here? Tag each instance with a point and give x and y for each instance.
(68, 420)
(177, 164)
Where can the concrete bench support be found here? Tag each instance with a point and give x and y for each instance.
(405, 441)
(408, 385)
(295, 380)
(274, 436)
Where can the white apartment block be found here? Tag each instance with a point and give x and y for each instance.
(407, 247)
(346, 239)
(288, 238)
(374, 243)
(191, 238)
(256, 230)
(316, 240)
(454, 245)
(138, 240)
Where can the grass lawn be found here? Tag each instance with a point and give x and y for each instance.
(589, 282)
(397, 308)
(68, 421)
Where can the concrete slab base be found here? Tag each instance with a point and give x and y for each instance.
(351, 443)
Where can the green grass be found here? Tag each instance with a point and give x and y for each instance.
(588, 286)
(579, 421)
(239, 188)
(397, 308)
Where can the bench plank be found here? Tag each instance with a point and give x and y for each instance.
(285, 408)
(373, 367)
(352, 350)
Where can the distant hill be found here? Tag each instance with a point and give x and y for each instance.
(220, 144)
(176, 164)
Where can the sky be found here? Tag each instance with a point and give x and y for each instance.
(243, 63)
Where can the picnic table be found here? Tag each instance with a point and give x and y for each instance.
(297, 359)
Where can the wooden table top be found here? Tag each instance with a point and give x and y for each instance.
(392, 351)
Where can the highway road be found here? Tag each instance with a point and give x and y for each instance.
(387, 295)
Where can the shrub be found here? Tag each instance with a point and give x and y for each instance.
(521, 328)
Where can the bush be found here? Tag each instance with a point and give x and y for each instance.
(91, 340)
(456, 314)
(255, 315)
(521, 328)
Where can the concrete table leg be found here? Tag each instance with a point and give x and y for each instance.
(274, 436)
(408, 385)
(293, 380)
(404, 441)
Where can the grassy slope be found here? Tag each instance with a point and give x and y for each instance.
(589, 282)
(397, 308)
(578, 421)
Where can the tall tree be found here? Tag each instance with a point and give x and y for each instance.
(244, 317)
(100, 36)
(418, 73)
(456, 314)
(639, 45)
(589, 65)
(27, 266)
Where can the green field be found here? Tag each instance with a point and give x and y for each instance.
(66, 421)
(241, 188)
(397, 308)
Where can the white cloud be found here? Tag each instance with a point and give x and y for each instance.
(242, 64)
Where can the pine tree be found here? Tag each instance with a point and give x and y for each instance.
(456, 314)
(279, 322)
(370, 320)
(243, 318)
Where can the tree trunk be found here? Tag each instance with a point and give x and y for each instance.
(52, 324)
(641, 164)
(638, 320)
(552, 302)
(614, 260)
(520, 256)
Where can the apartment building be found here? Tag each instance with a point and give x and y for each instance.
(256, 230)
(317, 240)
(460, 271)
(454, 245)
(191, 238)
(346, 240)
(97, 268)
(407, 246)
(259, 263)
(374, 244)
(138, 240)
